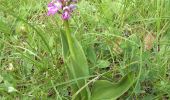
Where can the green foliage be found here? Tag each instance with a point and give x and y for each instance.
(112, 34)
(77, 66)
(105, 90)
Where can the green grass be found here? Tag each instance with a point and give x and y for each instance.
(113, 35)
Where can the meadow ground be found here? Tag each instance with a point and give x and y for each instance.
(117, 36)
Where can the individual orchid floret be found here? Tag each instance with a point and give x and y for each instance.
(66, 15)
(67, 10)
(54, 7)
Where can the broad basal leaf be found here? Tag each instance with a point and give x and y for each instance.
(106, 90)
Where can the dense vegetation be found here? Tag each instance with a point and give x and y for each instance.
(117, 36)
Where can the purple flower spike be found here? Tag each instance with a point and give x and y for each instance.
(54, 7)
(64, 7)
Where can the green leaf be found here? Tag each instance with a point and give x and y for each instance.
(103, 63)
(65, 48)
(105, 90)
(4, 27)
(69, 64)
(51, 41)
(77, 66)
(91, 55)
(1, 78)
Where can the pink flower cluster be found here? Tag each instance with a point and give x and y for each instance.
(64, 7)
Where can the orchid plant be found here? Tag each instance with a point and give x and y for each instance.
(76, 61)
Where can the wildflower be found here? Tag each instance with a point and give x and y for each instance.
(64, 7)
(54, 7)
(66, 14)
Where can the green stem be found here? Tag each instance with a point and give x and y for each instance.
(68, 33)
(69, 38)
